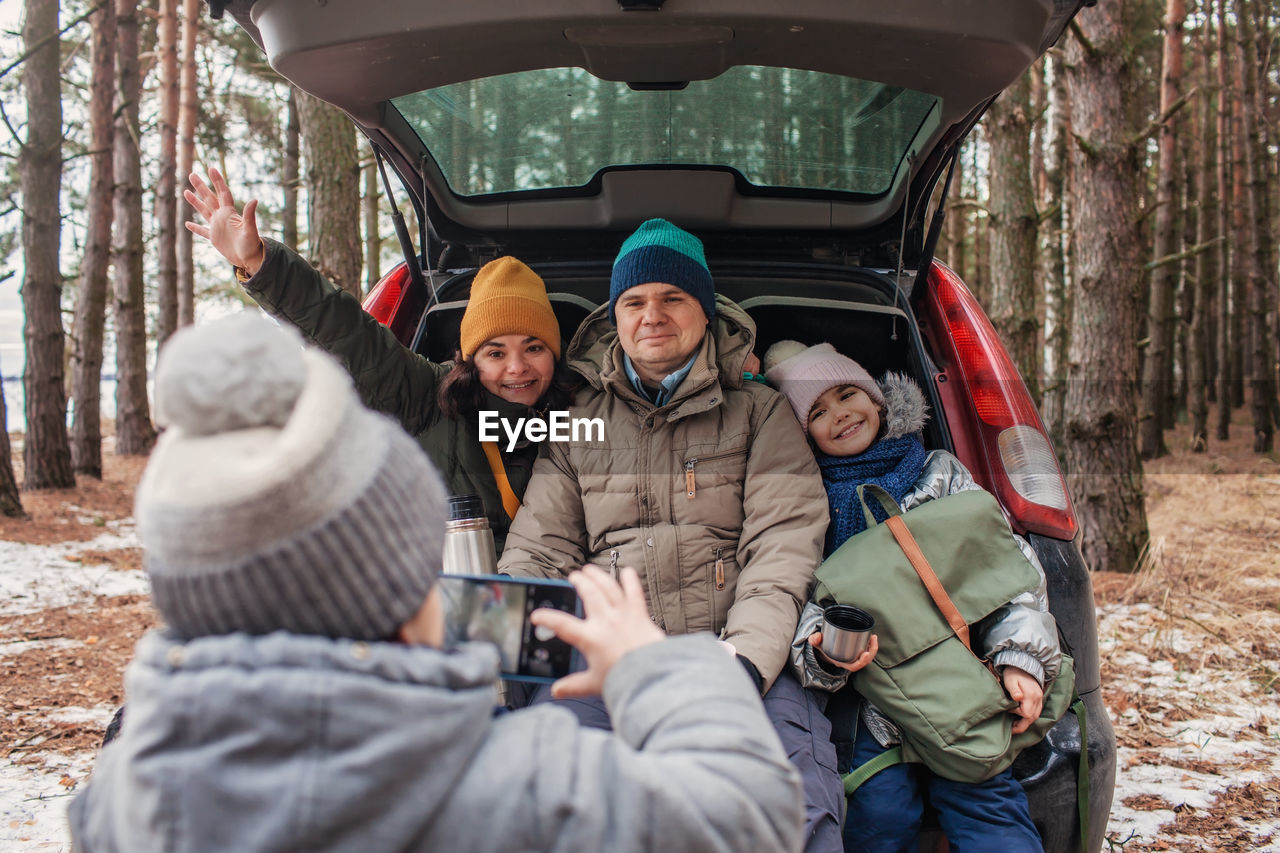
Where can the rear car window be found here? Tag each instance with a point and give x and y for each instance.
(778, 127)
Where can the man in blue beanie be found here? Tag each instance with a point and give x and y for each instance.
(703, 483)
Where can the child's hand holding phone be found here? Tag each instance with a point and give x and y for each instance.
(616, 622)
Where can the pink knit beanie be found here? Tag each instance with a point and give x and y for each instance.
(803, 374)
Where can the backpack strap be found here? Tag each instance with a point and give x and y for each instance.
(1082, 771)
(881, 496)
(510, 503)
(854, 779)
(937, 592)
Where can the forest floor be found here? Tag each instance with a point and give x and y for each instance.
(1190, 648)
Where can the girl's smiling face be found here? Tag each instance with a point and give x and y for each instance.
(844, 421)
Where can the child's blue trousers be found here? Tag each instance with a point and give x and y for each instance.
(885, 812)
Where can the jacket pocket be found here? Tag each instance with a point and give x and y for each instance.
(722, 581)
(715, 468)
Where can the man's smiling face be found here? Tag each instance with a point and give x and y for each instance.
(660, 326)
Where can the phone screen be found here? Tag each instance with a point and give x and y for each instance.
(495, 609)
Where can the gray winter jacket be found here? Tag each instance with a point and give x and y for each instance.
(1022, 633)
(286, 742)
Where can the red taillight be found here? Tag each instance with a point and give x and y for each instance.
(386, 299)
(1004, 441)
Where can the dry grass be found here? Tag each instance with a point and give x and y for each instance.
(79, 514)
(1213, 563)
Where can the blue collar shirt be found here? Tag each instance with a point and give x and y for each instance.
(667, 387)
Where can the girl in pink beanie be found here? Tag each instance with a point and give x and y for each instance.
(864, 431)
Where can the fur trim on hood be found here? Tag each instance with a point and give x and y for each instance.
(905, 411)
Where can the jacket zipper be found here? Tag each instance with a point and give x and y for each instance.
(690, 484)
(613, 561)
(719, 568)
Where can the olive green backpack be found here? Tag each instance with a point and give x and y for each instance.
(927, 576)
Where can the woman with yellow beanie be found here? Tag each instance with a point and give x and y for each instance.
(508, 359)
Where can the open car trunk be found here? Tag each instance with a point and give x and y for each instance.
(511, 122)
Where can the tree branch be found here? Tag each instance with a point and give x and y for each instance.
(1148, 211)
(1048, 213)
(970, 204)
(51, 37)
(1090, 150)
(1090, 51)
(4, 116)
(1160, 120)
(1186, 253)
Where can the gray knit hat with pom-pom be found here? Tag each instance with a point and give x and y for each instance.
(275, 500)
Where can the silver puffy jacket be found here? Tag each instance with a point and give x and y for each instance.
(1022, 633)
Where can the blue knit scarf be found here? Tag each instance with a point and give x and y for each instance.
(893, 464)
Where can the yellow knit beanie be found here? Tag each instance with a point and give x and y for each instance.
(507, 298)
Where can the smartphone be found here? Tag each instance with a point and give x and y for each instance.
(495, 609)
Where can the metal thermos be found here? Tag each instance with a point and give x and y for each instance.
(468, 541)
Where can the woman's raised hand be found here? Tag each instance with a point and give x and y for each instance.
(232, 233)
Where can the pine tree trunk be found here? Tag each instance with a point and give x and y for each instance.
(1268, 110)
(957, 222)
(188, 114)
(1157, 373)
(10, 500)
(290, 178)
(1012, 229)
(1226, 258)
(1239, 242)
(1202, 285)
(1186, 193)
(1206, 35)
(980, 280)
(372, 238)
(1262, 368)
(46, 453)
(1058, 304)
(333, 184)
(166, 197)
(134, 432)
(1184, 290)
(1039, 127)
(1103, 468)
(91, 298)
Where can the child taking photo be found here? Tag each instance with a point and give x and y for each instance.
(864, 432)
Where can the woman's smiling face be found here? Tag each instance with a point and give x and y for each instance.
(844, 421)
(516, 368)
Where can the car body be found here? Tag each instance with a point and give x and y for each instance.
(802, 141)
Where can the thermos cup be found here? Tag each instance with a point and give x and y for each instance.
(846, 632)
(468, 541)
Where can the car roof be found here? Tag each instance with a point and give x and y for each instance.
(370, 58)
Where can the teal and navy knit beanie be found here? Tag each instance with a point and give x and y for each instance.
(658, 251)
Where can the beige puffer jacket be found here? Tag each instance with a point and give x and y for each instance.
(713, 497)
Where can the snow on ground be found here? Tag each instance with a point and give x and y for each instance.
(33, 804)
(34, 797)
(1190, 736)
(37, 577)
